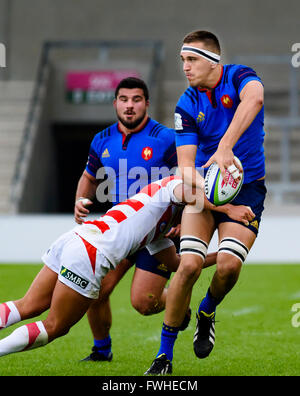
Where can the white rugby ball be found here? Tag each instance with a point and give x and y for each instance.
(217, 191)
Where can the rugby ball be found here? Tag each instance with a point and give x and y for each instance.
(217, 191)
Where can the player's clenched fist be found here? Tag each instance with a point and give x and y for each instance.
(81, 210)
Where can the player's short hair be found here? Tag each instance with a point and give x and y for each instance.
(131, 83)
(209, 39)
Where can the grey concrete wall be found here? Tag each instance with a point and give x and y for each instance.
(244, 26)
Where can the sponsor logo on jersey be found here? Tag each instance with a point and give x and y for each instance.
(227, 101)
(162, 267)
(74, 278)
(254, 224)
(105, 154)
(201, 117)
(147, 153)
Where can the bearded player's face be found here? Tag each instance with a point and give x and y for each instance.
(131, 107)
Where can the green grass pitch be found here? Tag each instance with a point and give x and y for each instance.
(255, 335)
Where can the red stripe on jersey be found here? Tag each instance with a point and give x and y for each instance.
(4, 314)
(33, 332)
(117, 215)
(133, 203)
(91, 251)
(166, 180)
(151, 189)
(100, 224)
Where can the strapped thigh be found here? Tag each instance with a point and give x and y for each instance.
(234, 247)
(189, 244)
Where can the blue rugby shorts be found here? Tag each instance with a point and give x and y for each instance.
(252, 194)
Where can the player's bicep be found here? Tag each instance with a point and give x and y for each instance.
(253, 90)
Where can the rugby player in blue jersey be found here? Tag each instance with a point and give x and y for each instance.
(133, 152)
(220, 115)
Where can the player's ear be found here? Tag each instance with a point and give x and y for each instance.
(147, 103)
(115, 103)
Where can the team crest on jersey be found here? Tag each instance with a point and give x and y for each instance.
(201, 117)
(147, 153)
(105, 154)
(227, 101)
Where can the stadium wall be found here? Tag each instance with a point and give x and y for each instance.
(25, 238)
(244, 27)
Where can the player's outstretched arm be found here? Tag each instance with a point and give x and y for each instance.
(241, 213)
(252, 100)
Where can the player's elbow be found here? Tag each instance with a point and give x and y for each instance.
(259, 101)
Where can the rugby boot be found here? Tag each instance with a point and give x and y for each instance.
(204, 337)
(160, 366)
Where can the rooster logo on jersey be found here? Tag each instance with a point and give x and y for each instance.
(227, 101)
(147, 153)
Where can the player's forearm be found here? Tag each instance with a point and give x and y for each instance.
(191, 177)
(86, 187)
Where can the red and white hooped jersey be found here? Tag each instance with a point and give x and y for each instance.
(134, 223)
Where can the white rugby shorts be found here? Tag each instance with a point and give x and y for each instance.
(79, 265)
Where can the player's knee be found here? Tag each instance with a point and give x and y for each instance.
(147, 304)
(55, 328)
(190, 266)
(228, 266)
(193, 252)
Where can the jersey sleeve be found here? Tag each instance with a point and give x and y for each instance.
(93, 162)
(185, 127)
(242, 75)
(170, 155)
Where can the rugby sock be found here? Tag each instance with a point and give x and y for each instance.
(9, 314)
(103, 346)
(167, 341)
(209, 303)
(30, 336)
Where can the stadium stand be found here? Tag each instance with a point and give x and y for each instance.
(47, 20)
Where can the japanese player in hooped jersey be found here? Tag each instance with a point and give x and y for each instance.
(202, 118)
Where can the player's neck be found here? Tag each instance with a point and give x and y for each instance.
(127, 131)
(214, 78)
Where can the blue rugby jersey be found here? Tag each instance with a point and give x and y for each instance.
(203, 116)
(134, 160)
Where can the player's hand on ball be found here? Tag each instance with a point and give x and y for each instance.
(241, 213)
(225, 159)
(80, 210)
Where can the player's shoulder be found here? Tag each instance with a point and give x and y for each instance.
(236, 71)
(160, 131)
(189, 96)
(106, 132)
(104, 135)
(239, 75)
(188, 102)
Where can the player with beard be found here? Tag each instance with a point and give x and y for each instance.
(132, 152)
